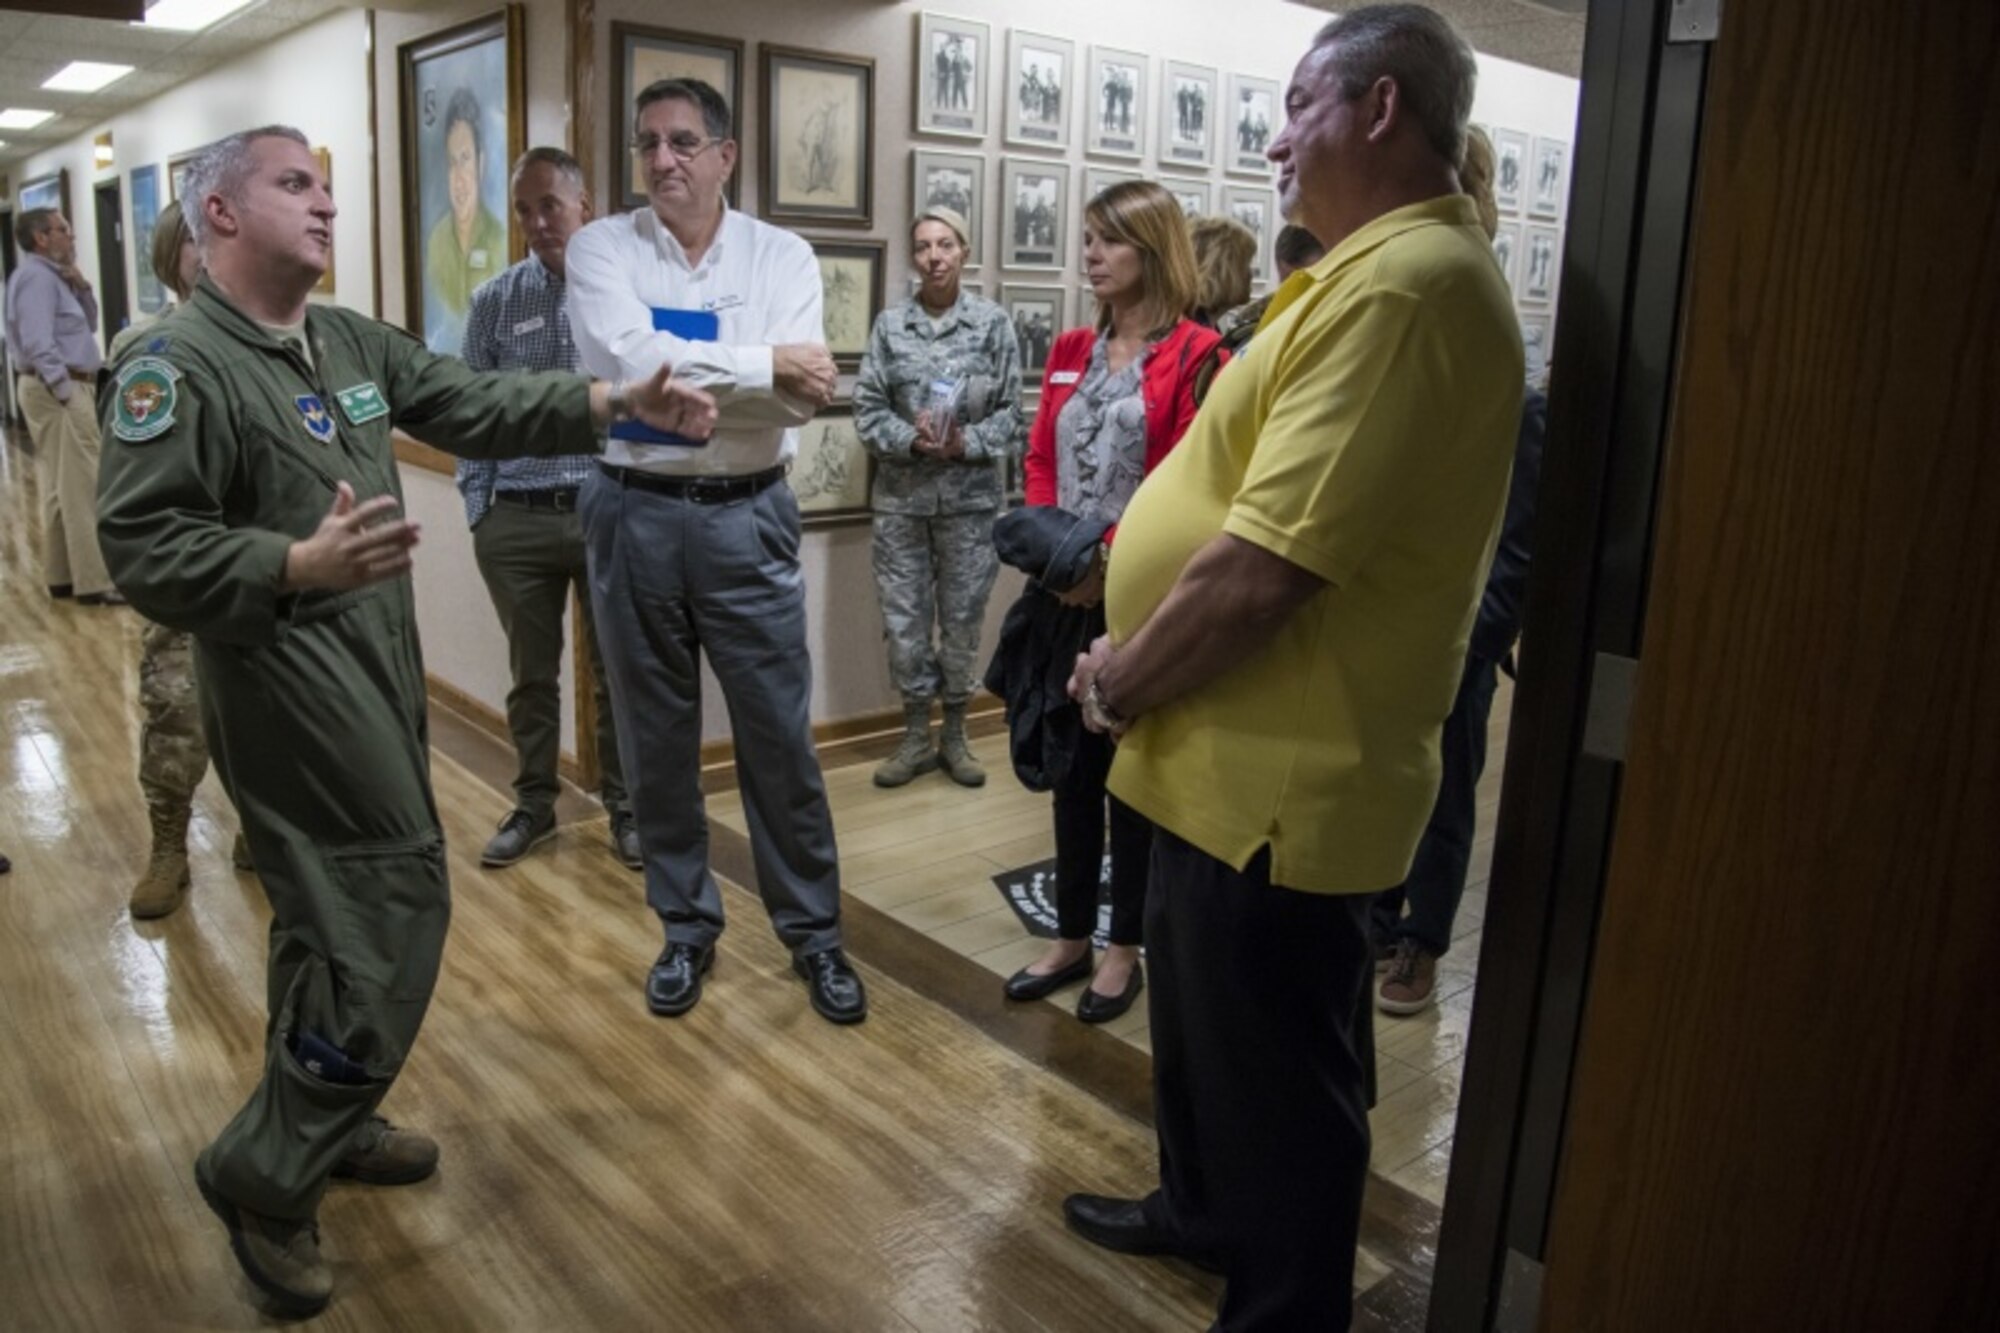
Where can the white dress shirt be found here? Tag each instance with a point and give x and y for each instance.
(763, 286)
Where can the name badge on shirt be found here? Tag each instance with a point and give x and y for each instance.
(722, 303)
(528, 326)
(477, 259)
(1065, 376)
(362, 403)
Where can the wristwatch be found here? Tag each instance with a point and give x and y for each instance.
(620, 401)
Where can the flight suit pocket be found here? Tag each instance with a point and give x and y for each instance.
(392, 910)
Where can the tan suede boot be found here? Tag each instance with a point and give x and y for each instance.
(165, 882)
(955, 752)
(914, 756)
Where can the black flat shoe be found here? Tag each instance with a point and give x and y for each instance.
(1026, 985)
(834, 985)
(1096, 1008)
(1121, 1225)
(674, 985)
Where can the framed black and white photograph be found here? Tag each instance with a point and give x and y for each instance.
(850, 279)
(642, 56)
(1115, 114)
(953, 57)
(1256, 209)
(1541, 262)
(830, 475)
(1188, 97)
(1038, 91)
(1037, 312)
(1034, 213)
(1510, 170)
(1507, 253)
(1548, 183)
(818, 160)
(1537, 340)
(1253, 122)
(940, 179)
(1195, 195)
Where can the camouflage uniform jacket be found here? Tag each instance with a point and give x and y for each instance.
(905, 354)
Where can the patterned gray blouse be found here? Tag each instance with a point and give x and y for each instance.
(1101, 438)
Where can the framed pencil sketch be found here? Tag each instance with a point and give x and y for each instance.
(50, 191)
(1187, 115)
(1256, 209)
(1548, 186)
(940, 179)
(1039, 69)
(1115, 114)
(1253, 123)
(953, 57)
(850, 279)
(1034, 212)
(151, 293)
(1195, 195)
(818, 163)
(1037, 312)
(1541, 259)
(1510, 170)
(1507, 253)
(641, 56)
(830, 474)
(464, 116)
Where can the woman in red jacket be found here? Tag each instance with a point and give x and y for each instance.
(1115, 400)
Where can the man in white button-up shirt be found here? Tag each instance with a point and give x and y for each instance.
(694, 547)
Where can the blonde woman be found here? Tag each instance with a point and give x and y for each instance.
(1225, 251)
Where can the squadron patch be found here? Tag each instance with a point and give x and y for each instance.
(145, 398)
(362, 403)
(318, 421)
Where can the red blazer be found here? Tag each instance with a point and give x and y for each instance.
(1167, 384)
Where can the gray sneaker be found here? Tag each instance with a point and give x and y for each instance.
(520, 833)
(625, 841)
(280, 1258)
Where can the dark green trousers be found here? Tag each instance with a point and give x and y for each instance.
(531, 560)
(321, 741)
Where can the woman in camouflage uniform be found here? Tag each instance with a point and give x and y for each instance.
(938, 405)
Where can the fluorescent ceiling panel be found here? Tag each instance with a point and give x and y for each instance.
(85, 76)
(18, 118)
(191, 15)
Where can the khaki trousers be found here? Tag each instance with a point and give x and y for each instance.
(66, 446)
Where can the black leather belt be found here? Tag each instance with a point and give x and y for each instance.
(695, 490)
(561, 501)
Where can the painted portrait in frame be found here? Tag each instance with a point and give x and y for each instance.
(818, 159)
(851, 281)
(640, 56)
(830, 474)
(953, 57)
(463, 115)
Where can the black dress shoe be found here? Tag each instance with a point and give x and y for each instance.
(1096, 1008)
(834, 985)
(61, 590)
(1122, 1225)
(112, 598)
(674, 985)
(1026, 985)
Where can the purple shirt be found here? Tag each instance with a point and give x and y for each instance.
(49, 327)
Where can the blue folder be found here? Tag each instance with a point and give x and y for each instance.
(695, 326)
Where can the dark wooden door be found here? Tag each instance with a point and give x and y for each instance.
(1790, 1061)
(113, 310)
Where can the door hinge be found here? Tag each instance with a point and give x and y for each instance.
(1693, 21)
(1608, 716)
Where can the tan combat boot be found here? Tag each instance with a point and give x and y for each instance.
(281, 1258)
(165, 882)
(914, 756)
(955, 752)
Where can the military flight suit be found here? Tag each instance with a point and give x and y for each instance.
(934, 556)
(221, 448)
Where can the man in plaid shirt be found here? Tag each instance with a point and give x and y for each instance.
(525, 530)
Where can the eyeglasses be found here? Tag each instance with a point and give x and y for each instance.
(684, 147)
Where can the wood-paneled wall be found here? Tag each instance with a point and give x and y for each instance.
(1791, 1054)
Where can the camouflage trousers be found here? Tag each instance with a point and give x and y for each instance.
(173, 756)
(934, 569)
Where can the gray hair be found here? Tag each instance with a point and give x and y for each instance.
(712, 105)
(221, 169)
(1434, 68)
(565, 165)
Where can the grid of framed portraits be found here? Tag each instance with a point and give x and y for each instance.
(642, 56)
(1531, 188)
(851, 282)
(942, 179)
(830, 475)
(818, 158)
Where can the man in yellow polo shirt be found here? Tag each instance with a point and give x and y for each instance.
(1289, 607)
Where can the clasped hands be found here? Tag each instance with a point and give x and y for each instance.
(947, 447)
(805, 370)
(1089, 666)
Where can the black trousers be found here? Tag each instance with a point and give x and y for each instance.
(1257, 1083)
(1083, 811)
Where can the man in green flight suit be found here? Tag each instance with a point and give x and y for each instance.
(249, 495)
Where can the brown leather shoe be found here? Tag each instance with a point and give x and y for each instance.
(280, 1258)
(385, 1155)
(1411, 986)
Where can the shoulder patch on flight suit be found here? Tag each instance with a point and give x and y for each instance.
(145, 398)
(318, 421)
(362, 403)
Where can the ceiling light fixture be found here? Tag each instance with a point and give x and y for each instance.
(189, 15)
(85, 76)
(19, 118)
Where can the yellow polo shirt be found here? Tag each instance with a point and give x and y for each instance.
(1365, 435)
